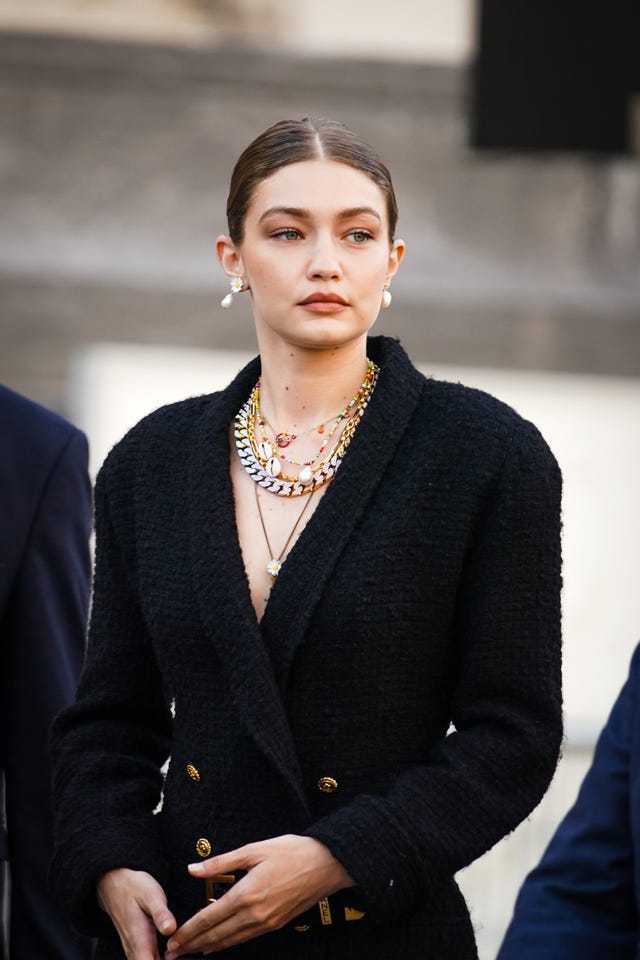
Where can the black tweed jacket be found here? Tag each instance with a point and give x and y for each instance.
(410, 652)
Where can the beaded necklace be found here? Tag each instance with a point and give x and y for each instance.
(265, 449)
(283, 438)
(265, 469)
(290, 437)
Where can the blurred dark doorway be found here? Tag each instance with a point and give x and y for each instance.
(557, 75)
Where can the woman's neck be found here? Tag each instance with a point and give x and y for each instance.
(302, 388)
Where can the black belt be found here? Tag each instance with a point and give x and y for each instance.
(340, 908)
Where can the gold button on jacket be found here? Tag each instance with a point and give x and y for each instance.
(193, 772)
(327, 784)
(203, 847)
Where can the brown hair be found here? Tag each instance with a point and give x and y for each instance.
(291, 141)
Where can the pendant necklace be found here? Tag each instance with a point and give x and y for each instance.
(265, 446)
(275, 564)
(283, 438)
(263, 465)
(269, 474)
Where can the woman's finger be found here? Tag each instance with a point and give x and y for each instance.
(224, 863)
(138, 936)
(233, 929)
(199, 928)
(153, 901)
(137, 905)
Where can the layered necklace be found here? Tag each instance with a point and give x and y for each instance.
(264, 459)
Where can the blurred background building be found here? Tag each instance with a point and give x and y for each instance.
(519, 196)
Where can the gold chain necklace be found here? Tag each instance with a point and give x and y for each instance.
(272, 461)
(266, 470)
(283, 438)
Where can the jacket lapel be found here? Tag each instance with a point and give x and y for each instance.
(258, 658)
(222, 588)
(304, 575)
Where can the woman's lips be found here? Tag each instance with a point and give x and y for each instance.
(323, 303)
(324, 306)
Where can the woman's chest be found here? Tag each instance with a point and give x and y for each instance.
(268, 527)
(396, 561)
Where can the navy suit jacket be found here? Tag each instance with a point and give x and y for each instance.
(45, 518)
(582, 900)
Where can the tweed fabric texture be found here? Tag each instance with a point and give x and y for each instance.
(410, 649)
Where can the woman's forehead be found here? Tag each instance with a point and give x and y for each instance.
(317, 185)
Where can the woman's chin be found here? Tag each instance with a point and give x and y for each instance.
(320, 333)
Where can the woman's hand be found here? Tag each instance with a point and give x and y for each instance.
(285, 876)
(138, 907)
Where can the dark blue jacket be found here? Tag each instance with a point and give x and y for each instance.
(45, 516)
(581, 901)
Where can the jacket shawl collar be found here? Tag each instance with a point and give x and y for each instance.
(257, 671)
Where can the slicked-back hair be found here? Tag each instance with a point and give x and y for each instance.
(292, 141)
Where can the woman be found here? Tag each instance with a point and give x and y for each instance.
(303, 582)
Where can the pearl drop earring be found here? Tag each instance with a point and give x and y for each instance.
(386, 298)
(236, 284)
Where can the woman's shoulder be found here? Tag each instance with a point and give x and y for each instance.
(468, 424)
(480, 420)
(458, 400)
(450, 409)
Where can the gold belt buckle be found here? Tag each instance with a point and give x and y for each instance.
(225, 878)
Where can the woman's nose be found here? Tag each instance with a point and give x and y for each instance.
(324, 262)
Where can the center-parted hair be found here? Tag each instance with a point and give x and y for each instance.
(292, 141)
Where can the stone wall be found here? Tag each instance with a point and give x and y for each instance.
(116, 157)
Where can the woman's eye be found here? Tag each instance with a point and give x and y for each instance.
(288, 234)
(359, 236)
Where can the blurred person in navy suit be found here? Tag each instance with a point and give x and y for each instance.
(45, 519)
(582, 901)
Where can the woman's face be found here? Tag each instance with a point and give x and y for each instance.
(315, 254)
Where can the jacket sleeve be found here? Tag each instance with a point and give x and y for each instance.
(109, 746)
(579, 902)
(487, 775)
(43, 652)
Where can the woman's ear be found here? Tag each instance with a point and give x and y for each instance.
(396, 254)
(228, 256)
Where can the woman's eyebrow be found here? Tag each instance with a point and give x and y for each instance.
(299, 213)
(358, 212)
